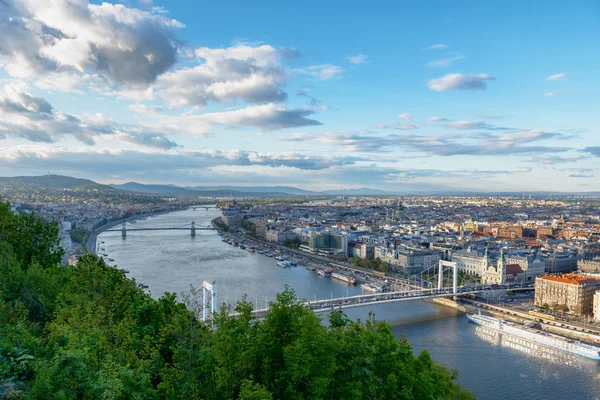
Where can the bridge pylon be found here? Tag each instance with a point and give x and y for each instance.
(124, 230)
(454, 275)
(193, 229)
(209, 300)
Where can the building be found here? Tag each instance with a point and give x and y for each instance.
(560, 263)
(590, 266)
(280, 236)
(596, 304)
(571, 293)
(494, 274)
(469, 261)
(408, 260)
(326, 243)
(232, 220)
(532, 265)
(362, 250)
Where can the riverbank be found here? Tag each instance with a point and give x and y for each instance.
(91, 243)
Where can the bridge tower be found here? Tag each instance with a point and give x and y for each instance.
(193, 228)
(124, 230)
(209, 299)
(454, 275)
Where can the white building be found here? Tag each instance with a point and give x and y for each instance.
(494, 274)
(597, 305)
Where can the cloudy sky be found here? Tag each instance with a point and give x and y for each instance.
(319, 95)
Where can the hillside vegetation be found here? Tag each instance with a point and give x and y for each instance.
(88, 332)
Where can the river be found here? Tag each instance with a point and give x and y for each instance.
(491, 367)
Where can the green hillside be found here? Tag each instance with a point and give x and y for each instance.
(89, 332)
(56, 181)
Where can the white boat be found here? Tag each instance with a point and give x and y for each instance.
(371, 288)
(284, 264)
(279, 258)
(348, 279)
(538, 336)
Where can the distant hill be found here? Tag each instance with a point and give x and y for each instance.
(166, 190)
(356, 192)
(256, 189)
(56, 181)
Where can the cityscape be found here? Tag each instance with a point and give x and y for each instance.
(284, 200)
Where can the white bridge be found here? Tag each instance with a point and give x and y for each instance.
(447, 286)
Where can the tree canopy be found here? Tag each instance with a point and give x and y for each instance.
(89, 332)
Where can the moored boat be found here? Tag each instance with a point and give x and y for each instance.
(536, 335)
(348, 279)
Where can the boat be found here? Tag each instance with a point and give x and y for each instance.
(284, 264)
(111, 259)
(268, 254)
(250, 249)
(537, 336)
(242, 246)
(324, 272)
(371, 288)
(279, 258)
(294, 263)
(143, 285)
(348, 279)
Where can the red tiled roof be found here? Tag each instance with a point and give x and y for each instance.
(513, 269)
(573, 279)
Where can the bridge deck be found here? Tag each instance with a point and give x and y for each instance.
(189, 228)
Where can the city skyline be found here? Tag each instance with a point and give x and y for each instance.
(345, 95)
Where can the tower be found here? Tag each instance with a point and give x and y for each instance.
(501, 268)
(486, 260)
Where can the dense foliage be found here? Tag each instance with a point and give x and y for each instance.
(369, 263)
(88, 332)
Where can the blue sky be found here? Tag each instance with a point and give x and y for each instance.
(402, 96)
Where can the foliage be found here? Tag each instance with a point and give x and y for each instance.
(79, 235)
(369, 263)
(219, 224)
(88, 332)
(292, 244)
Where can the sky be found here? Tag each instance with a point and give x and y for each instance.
(404, 96)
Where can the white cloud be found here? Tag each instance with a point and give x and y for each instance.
(557, 77)
(462, 125)
(444, 62)
(267, 117)
(358, 59)
(459, 82)
(405, 117)
(124, 45)
(556, 93)
(437, 119)
(252, 74)
(323, 72)
(437, 46)
(109, 161)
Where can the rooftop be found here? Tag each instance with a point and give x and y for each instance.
(573, 279)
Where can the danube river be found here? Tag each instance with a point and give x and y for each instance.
(492, 367)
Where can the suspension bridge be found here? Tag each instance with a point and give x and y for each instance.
(212, 299)
(207, 208)
(187, 227)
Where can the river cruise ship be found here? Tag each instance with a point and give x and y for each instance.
(536, 335)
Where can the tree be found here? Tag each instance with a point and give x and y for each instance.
(89, 332)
